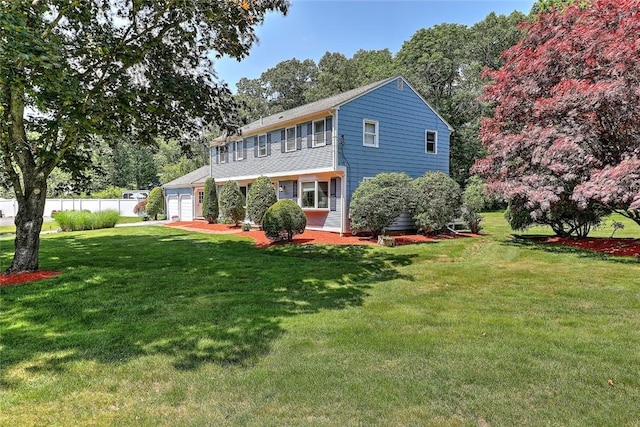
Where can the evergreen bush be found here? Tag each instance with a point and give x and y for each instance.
(474, 201)
(377, 202)
(155, 203)
(261, 196)
(210, 208)
(283, 220)
(436, 200)
(232, 202)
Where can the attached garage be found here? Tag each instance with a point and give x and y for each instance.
(173, 206)
(186, 208)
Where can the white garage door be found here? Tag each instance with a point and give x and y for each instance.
(186, 208)
(173, 207)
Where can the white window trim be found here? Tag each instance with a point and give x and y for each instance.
(239, 150)
(435, 141)
(376, 134)
(315, 142)
(286, 139)
(316, 195)
(266, 151)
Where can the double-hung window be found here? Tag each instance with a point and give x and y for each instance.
(224, 153)
(315, 195)
(239, 150)
(370, 133)
(431, 142)
(319, 134)
(290, 144)
(262, 145)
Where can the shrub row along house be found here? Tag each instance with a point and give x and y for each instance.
(317, 154)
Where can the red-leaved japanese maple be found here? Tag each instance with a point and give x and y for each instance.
(564, 139)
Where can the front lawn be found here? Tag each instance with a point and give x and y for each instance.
(161, 326)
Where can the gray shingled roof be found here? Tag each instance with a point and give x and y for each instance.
(307, 109)
(185, 181)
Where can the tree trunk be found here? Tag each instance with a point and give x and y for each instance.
(28, 226)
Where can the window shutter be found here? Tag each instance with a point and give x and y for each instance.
(299, 137)
(217, 155)
(329, 129)
(268, 144)
(283, 137)
(309, 134)
(232, 151)
(244, 148)
(255, 146)
(295, 189)
(332, 193)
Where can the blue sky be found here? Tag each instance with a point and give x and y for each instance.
(313, 27)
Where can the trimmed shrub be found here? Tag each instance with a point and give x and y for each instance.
(474, 201)
(261, 196)
(436, 200)
(231, 202)
(283, 220)
(377, 202)
(84, 220)
(210, 207)
(155, 202)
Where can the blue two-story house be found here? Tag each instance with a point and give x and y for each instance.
(317, 154)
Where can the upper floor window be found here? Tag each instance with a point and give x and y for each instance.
(319, 134)
(223, 151)
(262, 145)
(290, 139)
(431, 141)
(239, 150)
(370, 133)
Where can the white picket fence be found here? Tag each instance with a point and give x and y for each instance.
(9, 207)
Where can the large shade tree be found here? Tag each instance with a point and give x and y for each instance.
(563, 140)
(71, 69)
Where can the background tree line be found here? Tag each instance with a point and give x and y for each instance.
(444, 63)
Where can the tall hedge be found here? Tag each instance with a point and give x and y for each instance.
(435, 200)
(210, 207)
(377, 202)
(261, 196)
(283, 220)
(231, 202)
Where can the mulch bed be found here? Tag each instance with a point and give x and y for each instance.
(619, 247)
(308, 237)
(32, 276)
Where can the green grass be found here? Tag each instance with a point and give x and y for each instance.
(158, 326)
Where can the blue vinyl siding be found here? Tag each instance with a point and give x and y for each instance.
(277, 161)
(402, 118)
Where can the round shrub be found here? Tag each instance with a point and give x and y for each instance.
(377, 202)
(260, 197)
(283, 220)
(436, 200)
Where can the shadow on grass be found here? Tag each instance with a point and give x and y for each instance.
(197, 298)
(539, 242)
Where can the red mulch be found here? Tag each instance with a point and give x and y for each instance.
(308, 237)
(620, 247)
(17, 278)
